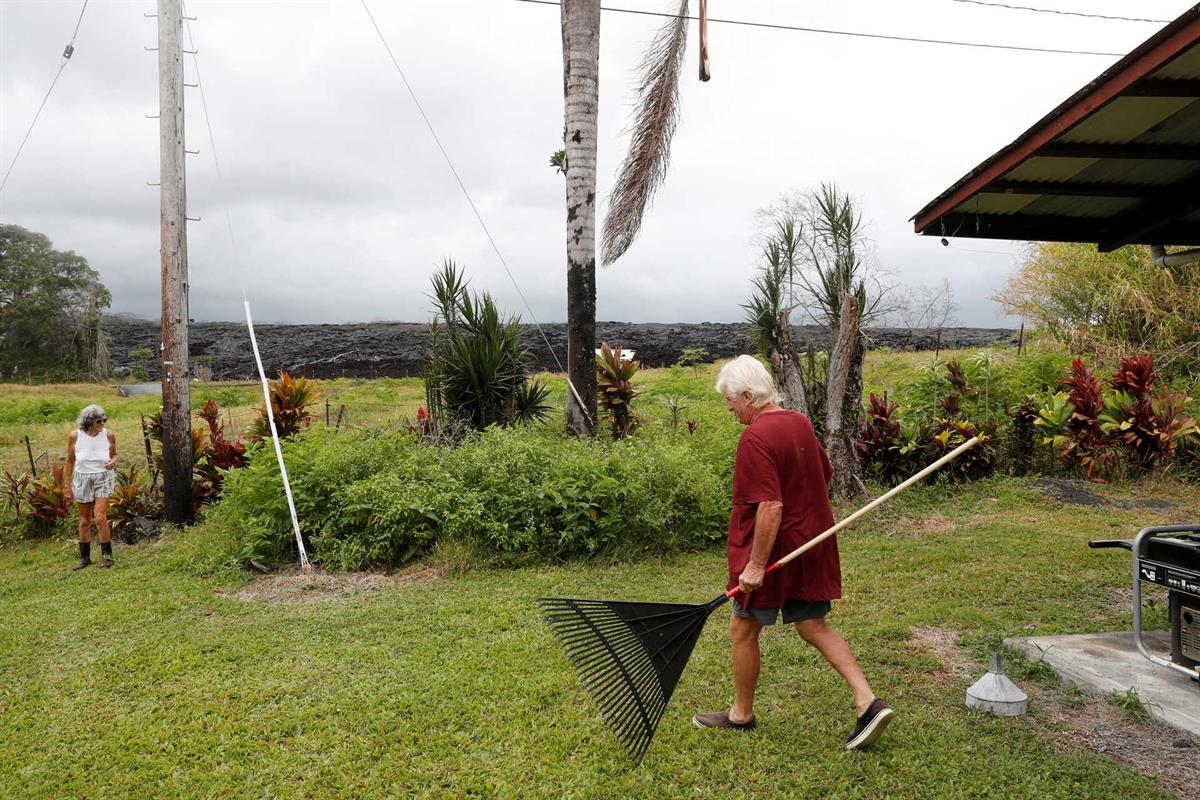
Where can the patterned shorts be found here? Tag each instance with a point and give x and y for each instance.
(87, 486)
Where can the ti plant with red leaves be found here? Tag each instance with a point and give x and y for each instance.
(1085, 442)
(218, 454)
(978, 462)
(290, 400)
(1146, 422)
(952, 402)
(48, 498)
(132, 498)
(881, 441)
(1023, 440)
(15, 491)
(615, 391)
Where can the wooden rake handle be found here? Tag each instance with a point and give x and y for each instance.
(871, 506)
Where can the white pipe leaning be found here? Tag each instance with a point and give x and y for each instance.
(287, 486)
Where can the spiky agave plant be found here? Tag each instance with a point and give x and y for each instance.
(652, 128)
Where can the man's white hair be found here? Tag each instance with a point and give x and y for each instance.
(747, 374)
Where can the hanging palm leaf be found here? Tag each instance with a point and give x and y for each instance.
(654, 123)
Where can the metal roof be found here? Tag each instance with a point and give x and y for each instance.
(1117, 163)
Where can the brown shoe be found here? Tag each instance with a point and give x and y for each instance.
(720, 719)
(870, 726)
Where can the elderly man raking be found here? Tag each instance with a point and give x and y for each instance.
(630, 656)
(780, 502)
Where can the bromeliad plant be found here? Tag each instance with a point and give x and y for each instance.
(615, 391)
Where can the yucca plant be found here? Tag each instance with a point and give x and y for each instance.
(675, 407)
(615, 391)
(290, 400)
(477, 373)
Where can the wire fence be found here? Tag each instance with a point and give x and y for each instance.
(36, 454)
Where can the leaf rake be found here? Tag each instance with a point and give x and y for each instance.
(630, 656)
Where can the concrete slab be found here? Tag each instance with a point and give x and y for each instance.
(1109, 662)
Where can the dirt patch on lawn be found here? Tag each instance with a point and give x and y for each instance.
(323, 587)
(1169, 756)
(934, 523)
(942, 643)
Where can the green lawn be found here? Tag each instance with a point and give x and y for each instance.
(149, 681)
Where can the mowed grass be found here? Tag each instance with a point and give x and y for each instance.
(149, 681)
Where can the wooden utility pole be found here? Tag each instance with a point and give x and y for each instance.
(176, 392)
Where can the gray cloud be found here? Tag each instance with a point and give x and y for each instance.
(342, 205)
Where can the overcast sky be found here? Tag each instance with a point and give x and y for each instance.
(341, 203)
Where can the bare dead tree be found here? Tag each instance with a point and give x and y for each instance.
(925, 307)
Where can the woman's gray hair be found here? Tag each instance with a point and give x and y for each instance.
(90, 416)
(747, 374)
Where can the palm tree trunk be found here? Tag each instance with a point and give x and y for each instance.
(786, 366)
(581, 88)
(839, 444)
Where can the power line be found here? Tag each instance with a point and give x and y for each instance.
(470, 202)
(855, 34)
(66, 57)
(1063, 13)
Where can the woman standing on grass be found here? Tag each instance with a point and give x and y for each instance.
(91, 456)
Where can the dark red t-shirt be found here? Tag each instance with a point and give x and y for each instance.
(779, 458)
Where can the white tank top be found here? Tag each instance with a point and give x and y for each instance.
(91, 452)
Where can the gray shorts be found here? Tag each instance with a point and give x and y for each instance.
(87, 486)
(793, 611)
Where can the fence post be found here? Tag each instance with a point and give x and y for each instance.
(1021, 338)
(341, 411)
(149, 453)
(326, 412)
(29, 450)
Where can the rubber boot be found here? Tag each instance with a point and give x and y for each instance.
(85, 555)
(106, 552)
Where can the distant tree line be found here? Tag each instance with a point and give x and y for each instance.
(50, 310)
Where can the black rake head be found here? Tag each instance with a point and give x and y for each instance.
(629, 656)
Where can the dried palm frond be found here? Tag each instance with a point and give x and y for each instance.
(654, 122)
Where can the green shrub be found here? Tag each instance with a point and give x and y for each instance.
(377, 500)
